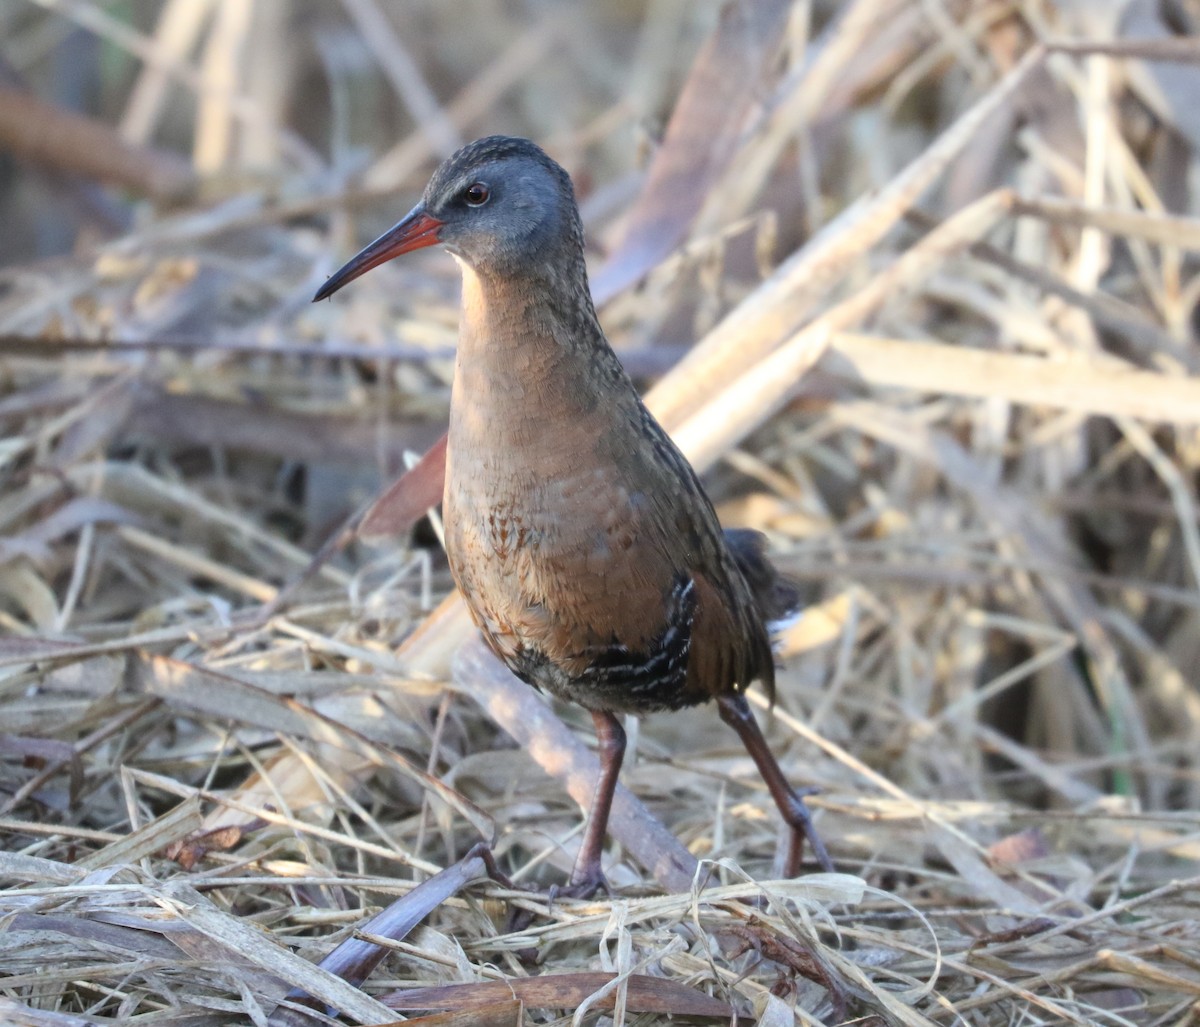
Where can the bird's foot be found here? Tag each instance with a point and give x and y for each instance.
(586, 882)
(580, 887)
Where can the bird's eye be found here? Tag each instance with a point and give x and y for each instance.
(476, 194)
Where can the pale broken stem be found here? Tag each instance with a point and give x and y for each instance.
(750, 399)
(1161, 229)
(213, 138)
(1099, 386)
(179, 26)
(532, 724)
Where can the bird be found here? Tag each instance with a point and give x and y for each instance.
(589, 555)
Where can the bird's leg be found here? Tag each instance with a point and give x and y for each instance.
(587, 878)
(735, 711)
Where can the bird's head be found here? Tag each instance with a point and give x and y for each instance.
(499, 204)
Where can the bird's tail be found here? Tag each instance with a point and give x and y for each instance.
(778, 599)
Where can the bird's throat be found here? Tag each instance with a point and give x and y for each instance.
(525, 363)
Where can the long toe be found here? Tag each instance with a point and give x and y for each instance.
(585, 883)
(584, 886)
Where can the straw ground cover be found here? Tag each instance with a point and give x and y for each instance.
(912, 282)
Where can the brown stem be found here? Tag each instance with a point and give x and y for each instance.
(45, 134)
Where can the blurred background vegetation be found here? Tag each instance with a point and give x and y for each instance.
(912, 281)
(307, 94)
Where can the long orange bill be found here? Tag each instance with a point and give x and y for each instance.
(418, 229)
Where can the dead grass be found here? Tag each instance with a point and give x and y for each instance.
(938, 261)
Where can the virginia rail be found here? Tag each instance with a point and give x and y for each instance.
(579, 535)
